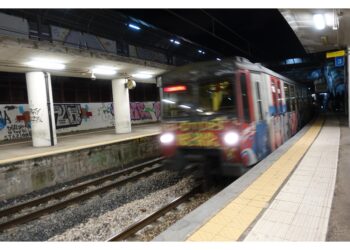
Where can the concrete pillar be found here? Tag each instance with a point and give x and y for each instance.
(41, 109)
(121, 106)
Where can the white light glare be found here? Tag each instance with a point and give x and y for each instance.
(168, 101)
(143, 75)
(231, 138)
(167, 138)
(46, 64)
(218, 59)
(319, 21)
(199, 110)
(329, 19)
(175, 41)
(185, 106)
(104, 70)
(133, 26)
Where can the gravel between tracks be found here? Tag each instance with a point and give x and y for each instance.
(123, 198)
(102, 227)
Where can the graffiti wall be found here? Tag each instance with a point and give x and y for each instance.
(15, 119)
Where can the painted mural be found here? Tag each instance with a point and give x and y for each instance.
(15, 120)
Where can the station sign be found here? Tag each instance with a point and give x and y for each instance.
(339, 61)
(333, 54)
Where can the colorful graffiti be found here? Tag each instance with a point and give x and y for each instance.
(67, 115)
(15, 121)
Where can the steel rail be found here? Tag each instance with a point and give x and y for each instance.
(132, 229)
(60, 205)
(80, 186)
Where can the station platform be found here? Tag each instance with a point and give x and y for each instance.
(25, 170)
(288, 196)
(19, 151)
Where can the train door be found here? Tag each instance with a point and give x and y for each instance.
(277, 112)
(246, 117)
(261, 144)
(244, 98)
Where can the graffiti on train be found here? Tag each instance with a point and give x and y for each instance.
(16, 120)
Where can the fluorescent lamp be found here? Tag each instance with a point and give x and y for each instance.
(218, 59)
(168, 101)
(104, 70)
(185, 106)
(142, 75)
(175, 41)
(133, 26)
(319, 21)
(46, 64)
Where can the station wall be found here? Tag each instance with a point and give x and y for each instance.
(69, 117)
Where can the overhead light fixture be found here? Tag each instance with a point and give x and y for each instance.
(143, 75)
(185, 106)
(134, 26)
(218, 59)
(46, 64)
(201, 52)
(175, 41)
(168, 101)
(104, 70)
(319, 21)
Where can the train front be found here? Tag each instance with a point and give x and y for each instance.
(199, 116)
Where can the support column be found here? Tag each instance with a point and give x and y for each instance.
(121, 106)
(41, 109)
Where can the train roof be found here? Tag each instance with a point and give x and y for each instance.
(227, 67)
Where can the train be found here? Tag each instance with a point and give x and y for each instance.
(228, 115)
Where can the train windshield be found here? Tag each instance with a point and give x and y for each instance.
(199, 99)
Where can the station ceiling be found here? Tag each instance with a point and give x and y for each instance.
(257, 34)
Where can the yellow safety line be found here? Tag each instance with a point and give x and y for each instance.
(233, 220)
(59, 151)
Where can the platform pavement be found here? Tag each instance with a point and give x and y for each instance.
(20, 151)
(286, 197)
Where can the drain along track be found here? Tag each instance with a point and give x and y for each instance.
(137, 226)
(80, 187)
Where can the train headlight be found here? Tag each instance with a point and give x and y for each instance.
(167, 138)
(231, 138)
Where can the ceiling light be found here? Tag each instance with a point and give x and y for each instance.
(185, 106)
(175, 41)
(134, 26)
(102, 70)
(168, 101)
(319, 21)
(218, 59)
(143, 75)
(46, 64)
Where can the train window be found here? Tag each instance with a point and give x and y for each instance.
(245, 101)
(287, 95)
(292, 97)
(200, 98)
(259, 101)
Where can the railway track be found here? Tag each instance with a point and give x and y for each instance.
(137, 226)
(32, 215)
